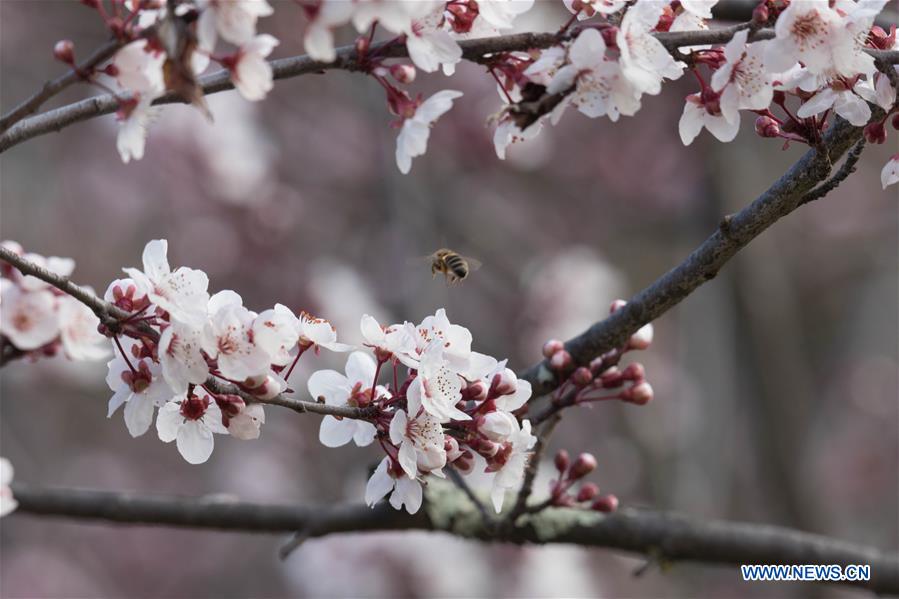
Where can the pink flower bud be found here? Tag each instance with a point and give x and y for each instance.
(587, 492)
(583, 465)
(403, 73)
(765, 126)
(64, 51)
(582, 377)
(895, 121)
(611, 377)
(642, 339)
(760, 14)
(639, 394)
(875, 133)
(551, 347)
(561, 360)
(562, 460)
(605, 503)
(634, 372)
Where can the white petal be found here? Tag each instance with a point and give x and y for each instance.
(329, 384)
(195, 442)
(168, 421)
(360, 368)
(380, 483)
(138, 415)
(334, 432)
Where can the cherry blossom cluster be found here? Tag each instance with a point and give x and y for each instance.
(444, 405)
(816, 63)
(815, 66)
(178, 336)
(37, 319)
(166, 46)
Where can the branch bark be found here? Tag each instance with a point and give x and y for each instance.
(733, 234)
(666, 536)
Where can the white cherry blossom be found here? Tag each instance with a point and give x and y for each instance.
(743, 80)
(511, 474)
(182, 292)
(134, 119)
(644, 60)
(228, 338)
(601, 87)
(437, 389)
(454, 341)
(413, 138)
(421, 443)
(591, 7)
(844, 101)
(28, 319)
(697, 115)
(277, 332)
(140, 391)
(406, 493)
(318, 332)
(78, 330)
(345, 390)
(398, 339)
(181, 357)
(805, 32)
(700, 8)
(251, 73)
(430, 45)
(138, 68)
(191, 423)
(394, 16)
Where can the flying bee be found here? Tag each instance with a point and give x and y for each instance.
(454, 266)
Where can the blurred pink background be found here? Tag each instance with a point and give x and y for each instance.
(776, 384)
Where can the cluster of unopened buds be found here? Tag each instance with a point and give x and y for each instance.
(816, 65)
(594, 382)
(587, 495)
(36, 319)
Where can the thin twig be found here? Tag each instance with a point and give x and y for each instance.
(530, 471)
(55, 86)
(844, 171)
(460, 482)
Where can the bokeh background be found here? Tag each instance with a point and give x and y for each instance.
(776, 384)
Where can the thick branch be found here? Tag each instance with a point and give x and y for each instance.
(347, 59)
(670, 537)
(733, 234)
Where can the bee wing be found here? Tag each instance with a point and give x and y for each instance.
(473, 263)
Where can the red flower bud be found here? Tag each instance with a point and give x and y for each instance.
(551, 347)
(362, 45)
(634, 372)
(875, 133)
(560, 360)
(617, 305)
(765, 126)
(64, 51)
(895, 121)
(583, 465)
(605, 503)
(562, 460)
(403, 73)
(582, 377)
(587, 492)
(639, 394)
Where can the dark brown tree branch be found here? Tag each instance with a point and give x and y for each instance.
(55, 86)
(347, 59)
(666, 536)
(733, 234)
